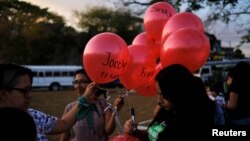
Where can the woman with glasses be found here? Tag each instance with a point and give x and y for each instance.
(99, 123)
(15, 86)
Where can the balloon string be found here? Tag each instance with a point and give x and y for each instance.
(127, 100)
(117, 118)
(118, 122)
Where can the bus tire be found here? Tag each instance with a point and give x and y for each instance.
(54, 87)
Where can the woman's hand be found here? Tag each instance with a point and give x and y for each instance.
(90, 90)
(119, 102)
(129, 127)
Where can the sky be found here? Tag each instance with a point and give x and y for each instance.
(65, 8)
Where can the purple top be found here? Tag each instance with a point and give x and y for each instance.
(80, 130)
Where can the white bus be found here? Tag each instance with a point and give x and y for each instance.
(219, 68)
(53, 77)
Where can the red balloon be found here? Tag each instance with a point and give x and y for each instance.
(158, 68)
(124, 138)
(105, 57)
(148, 89)
(186, 46)
(141, 39)
(182, 20)
(144, 39)
(155, 18)
(141, 67)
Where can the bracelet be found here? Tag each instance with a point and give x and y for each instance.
(82, 102)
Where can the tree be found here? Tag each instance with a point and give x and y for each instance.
(101, 19)
(31, 35)
(231, 12)
(238, 54)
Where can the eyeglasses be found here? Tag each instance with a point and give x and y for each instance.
(80, 81)
(24, 91)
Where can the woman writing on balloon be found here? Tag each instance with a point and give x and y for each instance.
(189, 107)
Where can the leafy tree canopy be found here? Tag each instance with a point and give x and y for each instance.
(230, 12)
(31, 35)
(101, 19)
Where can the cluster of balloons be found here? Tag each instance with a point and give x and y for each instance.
(169, 38)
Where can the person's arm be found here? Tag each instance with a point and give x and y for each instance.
(67, 121)
(110, 123)
(66, 135)
(233, 101)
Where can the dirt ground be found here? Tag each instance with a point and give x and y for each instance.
(54, 103)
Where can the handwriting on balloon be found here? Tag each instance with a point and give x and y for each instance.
(116, 64)
(106, 74)
(145, 73)
(162, 10)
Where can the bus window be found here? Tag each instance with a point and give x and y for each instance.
(64, 73)
(204, 71)
(71, 73)
(56, 73)
(48, 73)
(40, 74)
(34, 74)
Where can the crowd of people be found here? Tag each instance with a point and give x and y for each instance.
(185, 108)
(232, 98)
(15, 91)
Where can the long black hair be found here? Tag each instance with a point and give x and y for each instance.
(188, 95)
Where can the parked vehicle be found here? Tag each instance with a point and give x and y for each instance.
(217, 69)
(53, 77)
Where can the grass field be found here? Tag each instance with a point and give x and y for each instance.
(54, 102)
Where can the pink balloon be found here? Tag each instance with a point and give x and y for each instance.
(155, 18)
(153, 45)
(158, 68)
(124, 138)
(149, 89)
(105, 57)
(186, 46)
(141, 67)
(182, 20)
(141, 39)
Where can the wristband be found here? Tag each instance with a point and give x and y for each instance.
(82, 102)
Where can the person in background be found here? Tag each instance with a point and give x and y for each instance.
(96, 126)
(15, 91)
(16, 125)
(190, 107)
(238, 97)
(217, 97)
